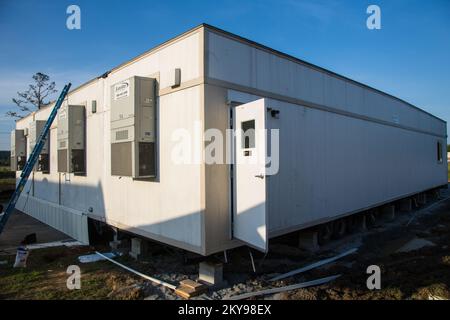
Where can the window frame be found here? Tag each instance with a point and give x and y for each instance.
(248, 134)
(439, 150)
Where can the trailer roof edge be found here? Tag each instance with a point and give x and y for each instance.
(309, 64)
(253, 43)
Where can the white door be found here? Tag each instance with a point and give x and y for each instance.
(249, 214)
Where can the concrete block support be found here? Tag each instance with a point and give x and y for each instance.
(211, 273)
(422, 199)
(388, 212)
(361, 223)
(371, 218)
(309, 240)
(437, 194)
(115, 244)
(123, 246)
(340, 228)
(139, 248)
(433, 194)
(405, 205)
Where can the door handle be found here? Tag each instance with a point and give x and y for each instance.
(261, 176)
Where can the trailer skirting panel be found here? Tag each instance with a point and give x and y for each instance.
(71, 222)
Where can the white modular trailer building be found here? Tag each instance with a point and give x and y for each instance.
(343, 147)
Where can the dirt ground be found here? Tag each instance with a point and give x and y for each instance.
(418, 274)
(421, 273)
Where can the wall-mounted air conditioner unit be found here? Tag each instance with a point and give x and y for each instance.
(71, 139)
(133, 128)
(18, 150)
(43, 163)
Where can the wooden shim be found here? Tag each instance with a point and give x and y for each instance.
(189, 288)
(314, 265)
(193, 284)
(187, 292)
(287, 288)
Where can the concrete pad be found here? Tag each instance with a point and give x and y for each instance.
(415, 244)
(20, 225)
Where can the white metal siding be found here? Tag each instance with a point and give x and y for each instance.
(168, 208)
(331, 165)
(240, 63)
(348, 148)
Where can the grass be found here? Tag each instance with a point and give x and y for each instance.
(448, 171)
(10, 181)
(6, 178)
(45, 277)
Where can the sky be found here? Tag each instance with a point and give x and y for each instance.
(408, 57)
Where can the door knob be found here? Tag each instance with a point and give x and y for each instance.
(261, 176)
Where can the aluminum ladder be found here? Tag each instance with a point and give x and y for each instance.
(33, 158)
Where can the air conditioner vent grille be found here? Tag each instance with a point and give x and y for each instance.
(122, 135)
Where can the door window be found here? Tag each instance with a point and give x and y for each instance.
(248, 134)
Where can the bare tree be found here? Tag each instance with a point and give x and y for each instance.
(33, 98)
